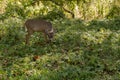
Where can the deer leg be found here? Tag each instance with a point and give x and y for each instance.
(46, 37)
(28, 36)
(27, 39)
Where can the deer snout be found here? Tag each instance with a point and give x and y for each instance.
(51, 35)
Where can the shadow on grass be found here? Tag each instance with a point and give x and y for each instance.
(113, 24)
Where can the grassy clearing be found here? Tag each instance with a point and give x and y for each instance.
(80, 51)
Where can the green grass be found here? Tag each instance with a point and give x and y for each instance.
(80, 51)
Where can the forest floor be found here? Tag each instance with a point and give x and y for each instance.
(80, 51)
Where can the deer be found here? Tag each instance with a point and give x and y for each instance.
(37, 25)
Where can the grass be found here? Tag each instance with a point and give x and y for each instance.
(80, 51)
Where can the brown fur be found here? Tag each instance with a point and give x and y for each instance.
(36, 25)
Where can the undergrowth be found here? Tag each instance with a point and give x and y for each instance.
(80, 51)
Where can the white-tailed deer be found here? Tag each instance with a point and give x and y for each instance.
(37, 25)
